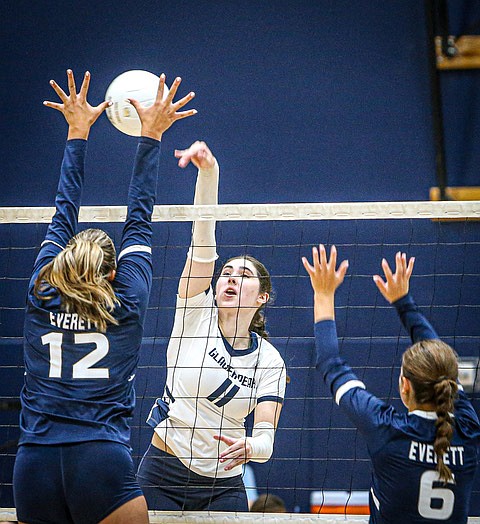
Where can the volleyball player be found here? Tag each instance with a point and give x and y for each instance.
(423, 461)
(83, 329)
(220, 369)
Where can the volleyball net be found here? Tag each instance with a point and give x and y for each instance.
(320, 467)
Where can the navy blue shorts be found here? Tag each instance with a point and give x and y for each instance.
(169, 485)
(79, 483)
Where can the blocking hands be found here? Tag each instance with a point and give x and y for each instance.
(395, 285)
(324, 276)
(78, 113)
(157, 118)
(325, 279)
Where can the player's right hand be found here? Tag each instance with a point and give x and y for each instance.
(396, 285)
(78, 113)
(198, 153)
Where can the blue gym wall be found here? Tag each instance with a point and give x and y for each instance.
(300, 101)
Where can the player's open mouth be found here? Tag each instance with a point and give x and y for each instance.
(230, 292)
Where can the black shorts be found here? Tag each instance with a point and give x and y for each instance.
(79, 483)
(169, 485)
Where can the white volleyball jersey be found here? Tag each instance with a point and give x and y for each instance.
(212, 387)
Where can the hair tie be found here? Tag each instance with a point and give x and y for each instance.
(441, 379)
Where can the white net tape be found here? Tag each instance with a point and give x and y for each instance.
(194, 517)
(297, 211)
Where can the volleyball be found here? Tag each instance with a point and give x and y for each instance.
(137, 84)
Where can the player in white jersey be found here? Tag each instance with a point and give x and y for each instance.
(220, 369)
(424, 461)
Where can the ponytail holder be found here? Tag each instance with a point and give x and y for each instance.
(441, 379)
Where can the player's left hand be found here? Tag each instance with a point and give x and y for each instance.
(239, 451)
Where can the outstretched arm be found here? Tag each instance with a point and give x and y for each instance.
(155, 120)
(365, 410)
(135, 257)
(395, 289)
(199, 267)
(80, 116)
(325, 279)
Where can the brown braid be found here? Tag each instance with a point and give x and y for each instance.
(432, 368)
(445, 391)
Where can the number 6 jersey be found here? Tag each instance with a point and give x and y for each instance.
(405, 484)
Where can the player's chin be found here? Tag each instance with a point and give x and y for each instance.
(227, 302)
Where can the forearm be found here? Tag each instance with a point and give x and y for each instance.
(142, 194)
(418, 327)
(206, 188)
(337, 375)
(324, 306)
(326, 342)
(69, 192)
(261, 441)
(203, 247)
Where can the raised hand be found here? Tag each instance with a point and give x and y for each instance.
(78, 113)
(395, 285)
(157, 118)
(238, 452)
(325, 279)
(324, 276)
(198, 153)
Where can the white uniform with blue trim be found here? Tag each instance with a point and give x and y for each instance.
(211, 387)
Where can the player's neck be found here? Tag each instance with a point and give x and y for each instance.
(428, 406)
(235, 330)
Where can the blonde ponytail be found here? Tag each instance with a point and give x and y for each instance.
(80, 274)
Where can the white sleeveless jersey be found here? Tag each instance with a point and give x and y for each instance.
(212, 387)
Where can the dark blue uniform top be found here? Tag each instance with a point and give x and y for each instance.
(405, 486)
(78, 381)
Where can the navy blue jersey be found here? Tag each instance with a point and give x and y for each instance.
(79, 381)
(405, 485)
